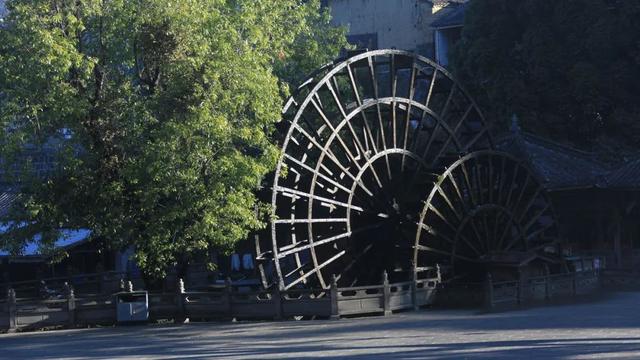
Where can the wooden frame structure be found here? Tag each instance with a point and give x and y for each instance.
(368, 138)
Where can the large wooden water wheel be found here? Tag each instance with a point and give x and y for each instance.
(487, 210)
(368, 136)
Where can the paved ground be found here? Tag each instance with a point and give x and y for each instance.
(608, 328)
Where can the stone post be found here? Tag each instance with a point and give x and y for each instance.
(181, 316)
(13, 311)
(414, 291)
(521, 287)
(335, 314)
(547, 285)
(228, 292)
(488, 285)
(71, 304)
(386, 291)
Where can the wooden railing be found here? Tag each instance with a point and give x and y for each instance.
(535, 289)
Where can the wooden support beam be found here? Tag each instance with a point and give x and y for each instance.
(276, 298)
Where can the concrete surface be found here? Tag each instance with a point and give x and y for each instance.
(603, 329)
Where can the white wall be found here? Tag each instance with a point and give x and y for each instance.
(401, 24)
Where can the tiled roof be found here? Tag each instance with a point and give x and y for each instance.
(562, 167)
(625, 176)
(67, 240)
(557, 166)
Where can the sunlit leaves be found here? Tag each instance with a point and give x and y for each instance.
(171, 106)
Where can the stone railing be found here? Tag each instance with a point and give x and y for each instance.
(243, 302)
(104, 283)
(538, 289)
(621, 280)
(222, 302)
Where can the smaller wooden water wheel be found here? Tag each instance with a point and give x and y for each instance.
(486, 210)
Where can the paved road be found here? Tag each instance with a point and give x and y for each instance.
(603, 329)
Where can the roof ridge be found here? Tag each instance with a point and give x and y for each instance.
(587, 155)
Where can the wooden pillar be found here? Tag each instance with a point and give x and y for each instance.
(276, 297)
(335, 312)
(488, 292)
(386, 294)
(71, 305)
(12, 309)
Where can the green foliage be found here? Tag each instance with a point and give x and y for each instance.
(567, 69)
(170, 105)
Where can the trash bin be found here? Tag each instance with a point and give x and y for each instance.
(132, 306)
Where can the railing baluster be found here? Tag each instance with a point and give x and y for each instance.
(386, 294)
(180, 300)
(335, 315)
(11, 306)
(414, 291)
(489, 293)
(71, 305)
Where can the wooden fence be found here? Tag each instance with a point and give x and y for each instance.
(537, 289)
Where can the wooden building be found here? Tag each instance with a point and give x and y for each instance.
(597, 199)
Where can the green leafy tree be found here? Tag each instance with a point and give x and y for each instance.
(157, 116)
(566, 69)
